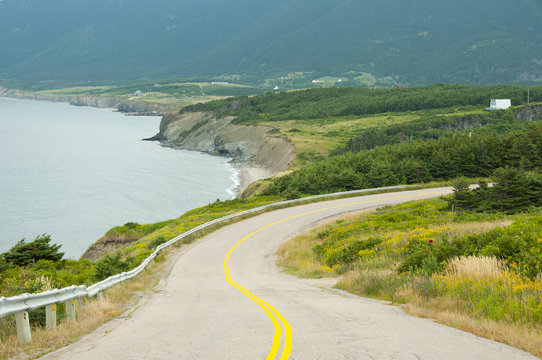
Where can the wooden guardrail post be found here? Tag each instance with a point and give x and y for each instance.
(23, 327)
(70, 310)
(50, 317)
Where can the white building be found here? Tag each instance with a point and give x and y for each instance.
(499, 104)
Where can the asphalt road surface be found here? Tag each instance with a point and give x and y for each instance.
(226, 299)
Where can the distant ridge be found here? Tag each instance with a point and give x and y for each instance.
(405, 41)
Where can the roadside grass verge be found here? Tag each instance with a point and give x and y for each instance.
(478, 272)
(296, 258)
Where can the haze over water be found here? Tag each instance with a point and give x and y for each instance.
(75, 172)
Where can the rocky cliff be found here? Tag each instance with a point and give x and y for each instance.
(528, 113)
(249, 145)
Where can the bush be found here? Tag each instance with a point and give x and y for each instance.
(155, 242)
(3, 264)
(131, 225)
(27, 253)
(37, 317)
(111, 265)
(347, 254)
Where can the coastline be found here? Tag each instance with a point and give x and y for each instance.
(115, 104)
(248, 173)
(240, 174)
(244, 173)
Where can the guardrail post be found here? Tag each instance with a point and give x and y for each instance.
(70, 310)
(50, 317)
(82, 302)
(23, 327)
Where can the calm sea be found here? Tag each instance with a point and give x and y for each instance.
(75, 172)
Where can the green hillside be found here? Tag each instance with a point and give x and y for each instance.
(417, 42)
(352, 138)
(357, 42)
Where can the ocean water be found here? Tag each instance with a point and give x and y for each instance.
(75, 172)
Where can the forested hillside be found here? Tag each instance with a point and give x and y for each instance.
(337, 102)
(352, 138)
(476, 155)
(369, 43)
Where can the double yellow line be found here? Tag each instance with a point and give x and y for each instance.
(278, 320)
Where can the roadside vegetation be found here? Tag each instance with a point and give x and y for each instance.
(472, 260)
(38, 265)
(114, 302)
(478, 267)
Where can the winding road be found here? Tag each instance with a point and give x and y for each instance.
(226, 299)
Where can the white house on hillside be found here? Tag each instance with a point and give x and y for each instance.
(499, 104)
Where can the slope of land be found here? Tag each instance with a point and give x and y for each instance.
(323, 123)
(247, 145)
(289, 41)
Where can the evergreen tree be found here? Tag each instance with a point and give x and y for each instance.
(510, 190)
(39, 249)
(463, 197)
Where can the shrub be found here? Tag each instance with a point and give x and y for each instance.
(131, 225)
(3, 264)
(155, 242)
(39, 249)
(111, 265)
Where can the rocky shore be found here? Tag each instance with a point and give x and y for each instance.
(255, 153)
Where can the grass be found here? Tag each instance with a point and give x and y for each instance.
(325, 135)
(438, 264)
(296, 259)
(166, 97)
(476, 267)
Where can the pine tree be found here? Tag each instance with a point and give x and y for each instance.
(510, 190)
(463, 197)
(39, 249)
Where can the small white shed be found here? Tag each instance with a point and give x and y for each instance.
(499, 104)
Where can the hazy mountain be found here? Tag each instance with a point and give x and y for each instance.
(416, 41)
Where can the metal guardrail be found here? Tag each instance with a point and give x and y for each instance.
(26, 302)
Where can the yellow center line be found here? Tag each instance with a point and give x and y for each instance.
(273, 314)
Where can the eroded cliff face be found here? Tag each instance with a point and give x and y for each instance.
(528, 113)
(202, 131)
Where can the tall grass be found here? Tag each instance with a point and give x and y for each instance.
(477, 267)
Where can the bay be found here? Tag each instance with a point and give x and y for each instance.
(75, 172)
